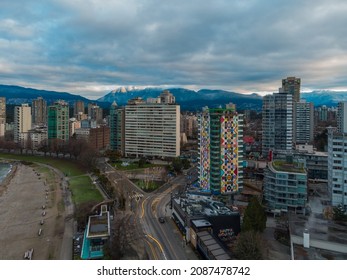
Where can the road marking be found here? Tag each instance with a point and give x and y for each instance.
(143, 207)
(155, 256)
(158, 243)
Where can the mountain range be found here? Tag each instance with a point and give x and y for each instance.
(188, 99)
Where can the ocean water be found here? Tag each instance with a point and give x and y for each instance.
(5, 168)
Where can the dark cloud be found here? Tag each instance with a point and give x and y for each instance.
(238, 45)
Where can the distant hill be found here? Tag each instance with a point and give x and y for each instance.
(18, 95)
(188, 99)
(324, 97)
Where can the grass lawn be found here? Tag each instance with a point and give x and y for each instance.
(83, 190)
(68, 167)
(135, 165)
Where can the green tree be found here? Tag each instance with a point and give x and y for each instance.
(185, 163)
(339, 213)
(177, 164)
(248, 246)
(254, 217)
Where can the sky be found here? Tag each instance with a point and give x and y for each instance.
(90, 47)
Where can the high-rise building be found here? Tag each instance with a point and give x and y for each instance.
(189, 125)
(342, 117)
(2, 116)
(117, 128)
(39, 111)
(220, 150)
(58, 122)
(3, 107)
(167, 97)
(78, 108)
(152, 129)
(277, 122)
(337, 166)
(303, 122)
(337, 153)
(323, 113)
(291, 85)
(22, 124)
(95, 113)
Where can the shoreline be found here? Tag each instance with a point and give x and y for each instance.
(9, 176)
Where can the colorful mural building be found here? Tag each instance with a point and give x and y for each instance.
(221, 150)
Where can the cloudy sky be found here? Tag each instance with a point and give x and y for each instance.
(92, 46)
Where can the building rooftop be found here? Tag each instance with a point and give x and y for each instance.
(214, 249)
(203, 206)
(98, 226)
(201, 223)
(285, 166)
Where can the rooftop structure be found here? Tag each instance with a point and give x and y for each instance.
(285, 166)
(98, 226)
(96, 234)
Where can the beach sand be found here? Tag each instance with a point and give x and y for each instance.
(22, 196)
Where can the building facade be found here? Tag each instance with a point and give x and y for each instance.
(316, 162)
(38, 137)
(95, 113)
(303, 122)
(58, 122)
(22, 124)
(152, 130)
(39, 111)
(337, 167)
(117, 128)
(277, 122)
(342, 117)
(189, 125)
(2, 116)
(167, 97)
(292, 85)
(78, 108)
(285, 186)
(99, 138)
(220, 150)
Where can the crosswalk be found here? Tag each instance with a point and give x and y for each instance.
(137, 196)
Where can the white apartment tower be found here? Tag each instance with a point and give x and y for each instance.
(152, 129)
(22, 123)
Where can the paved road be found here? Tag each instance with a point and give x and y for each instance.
(169, 243)
(162, 240)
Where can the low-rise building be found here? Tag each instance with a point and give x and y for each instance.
(285, 185)
(316, 162)
(207, 224)
(38, 137)
(96, 235)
